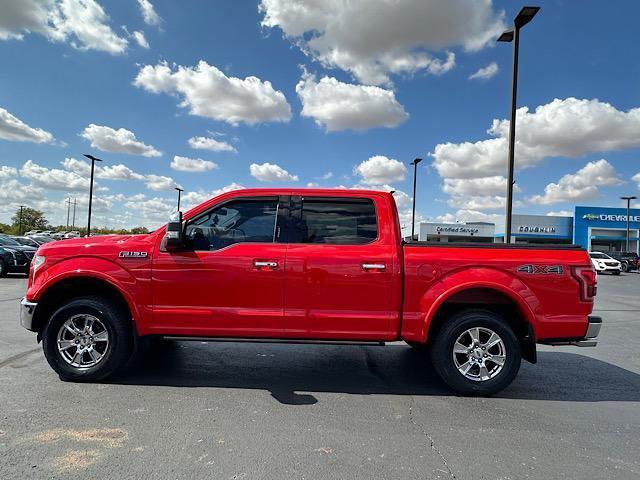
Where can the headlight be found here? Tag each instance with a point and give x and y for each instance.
(37, 262)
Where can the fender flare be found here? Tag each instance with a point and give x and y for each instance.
(482, 277)
(94, 267)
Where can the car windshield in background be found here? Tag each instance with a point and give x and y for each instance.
(598, 255)
(26, 241)
(8, 241)
(42, 240)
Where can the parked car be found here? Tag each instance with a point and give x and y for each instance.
(33, 240)
(629, 260)
(32, 232)
(310, 266)
(47, 233)
(603, 263)
(72, 234)
(14, 257)
(58, 235)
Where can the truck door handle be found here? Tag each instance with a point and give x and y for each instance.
(270, 264)
(373, 266)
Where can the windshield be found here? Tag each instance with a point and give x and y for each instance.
(598, 255)
(43, 239)
(7, 241)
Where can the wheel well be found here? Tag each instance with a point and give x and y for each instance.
(494, 301)
(65, 290)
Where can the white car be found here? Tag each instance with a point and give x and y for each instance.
(72, 234)
(58, 235)
(604, 263)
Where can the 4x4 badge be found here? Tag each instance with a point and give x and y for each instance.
(541, 269)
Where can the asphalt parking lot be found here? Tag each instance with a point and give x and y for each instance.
(254, 411)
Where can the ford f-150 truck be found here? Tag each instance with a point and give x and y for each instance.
(307, 266)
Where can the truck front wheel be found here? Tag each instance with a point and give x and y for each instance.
(476, 353)
(87, 339)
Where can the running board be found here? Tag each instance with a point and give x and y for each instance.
(274, 340)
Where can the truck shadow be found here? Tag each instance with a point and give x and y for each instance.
(287, 370)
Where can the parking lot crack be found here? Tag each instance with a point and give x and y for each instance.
(432, 443)
(18, 356)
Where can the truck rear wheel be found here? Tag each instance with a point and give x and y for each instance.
(476, 353)
(87, 339)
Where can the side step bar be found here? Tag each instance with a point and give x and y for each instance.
(273, 340)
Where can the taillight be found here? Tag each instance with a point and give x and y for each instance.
(587, 279)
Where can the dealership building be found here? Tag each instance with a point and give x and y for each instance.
(594, 228)
(605, 229)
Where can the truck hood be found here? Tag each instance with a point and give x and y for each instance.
(100, 245)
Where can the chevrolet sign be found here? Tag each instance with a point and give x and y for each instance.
(611, 218)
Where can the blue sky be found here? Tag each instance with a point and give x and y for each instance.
(341, 97)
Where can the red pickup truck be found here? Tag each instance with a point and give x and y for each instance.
(307, 266)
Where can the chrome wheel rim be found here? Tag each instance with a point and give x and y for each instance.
(479, 354)
(83, 341)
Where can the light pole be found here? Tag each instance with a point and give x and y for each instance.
(93, 163)
(413, 212)
(628, 199)
(513, 35)
(20, 221)
(180, 190)
(73, 222)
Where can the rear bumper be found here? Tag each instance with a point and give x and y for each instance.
(590, 338)
(27, 310)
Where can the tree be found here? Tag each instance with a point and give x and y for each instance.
(139, 230)
(32, 219)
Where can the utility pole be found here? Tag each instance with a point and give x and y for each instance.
(68, 202)
(73, 222)
(628, 199)
(20, 221)
(413, 212)
(93, 164)
(513, 35)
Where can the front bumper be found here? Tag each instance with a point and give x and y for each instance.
(590, 338)
(27, 310)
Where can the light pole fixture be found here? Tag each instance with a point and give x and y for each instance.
(20, 221)
(93, 164)
(180, 190)
(73, 221)
(68, 202)
(513, 35)
(413, 212)
(628, 199)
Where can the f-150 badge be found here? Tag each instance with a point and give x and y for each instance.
(126, 254)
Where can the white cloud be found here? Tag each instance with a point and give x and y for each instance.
(208, 143)
(379, 170)
(466, 215)
(327, 176)
(185, 164)
(485, 73)
(160, 182)
(138, 36)
(108, 172)
(561, 128)
(560, 213)
(15, 130)
(192, 199)
(208, 92)
(582, 185)
(375, 38)
(636, 178)
(335, 105)
(122, 140)
(149, 13)
(54, 178)
(270, 172)
(8, 172)
(82, 23)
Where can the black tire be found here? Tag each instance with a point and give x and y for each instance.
(117, 324)
(443, 359)
(3, 269)
(625, 267)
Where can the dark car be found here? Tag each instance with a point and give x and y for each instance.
(14, 258)
(629, 260)
(33, 240)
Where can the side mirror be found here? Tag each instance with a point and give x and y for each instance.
(174, 235)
